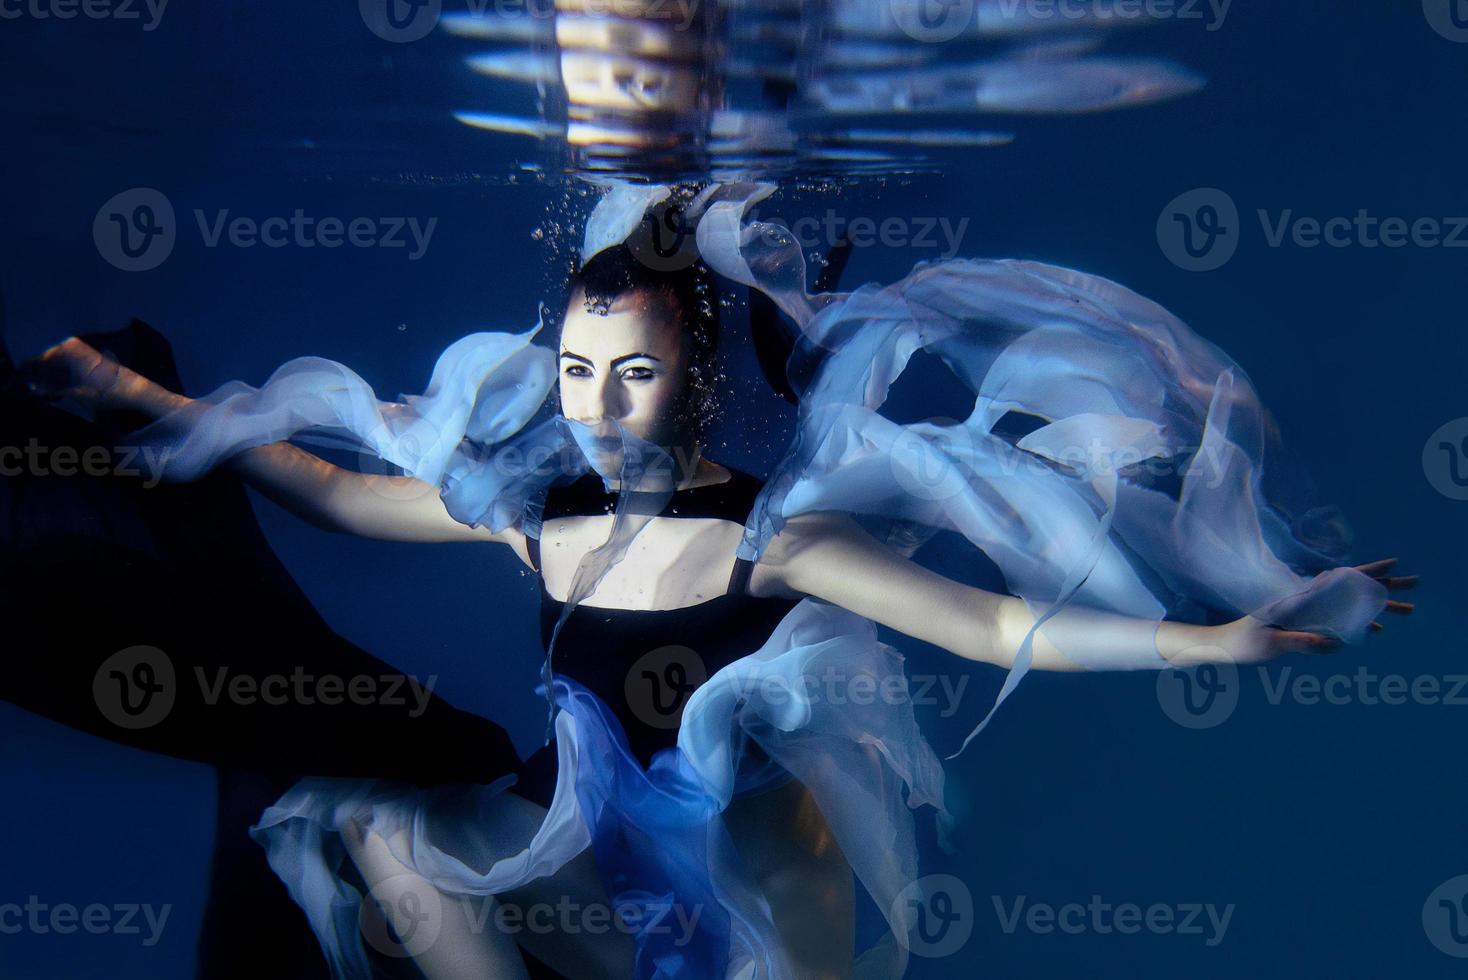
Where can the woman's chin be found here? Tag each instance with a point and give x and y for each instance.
(649, 467)
(607, 464)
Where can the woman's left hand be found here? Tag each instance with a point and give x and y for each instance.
(1249, 640)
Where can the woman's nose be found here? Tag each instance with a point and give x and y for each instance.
(603, 401)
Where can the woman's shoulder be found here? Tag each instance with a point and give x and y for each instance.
(730, 499)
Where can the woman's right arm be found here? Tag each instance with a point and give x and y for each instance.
(392, 508)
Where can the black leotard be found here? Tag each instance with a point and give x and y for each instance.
(672, 650)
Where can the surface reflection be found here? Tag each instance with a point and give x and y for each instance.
(763, 88)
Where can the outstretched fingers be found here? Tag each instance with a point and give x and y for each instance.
(1394, 583)
(1298, 641)
(1377, 568)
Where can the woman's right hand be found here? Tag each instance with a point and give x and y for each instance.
(75, 370)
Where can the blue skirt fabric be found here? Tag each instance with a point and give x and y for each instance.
(660, 843)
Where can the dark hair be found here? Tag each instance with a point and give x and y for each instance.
(691, 298)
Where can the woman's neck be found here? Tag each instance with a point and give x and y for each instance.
(705, 472)
(691, 469)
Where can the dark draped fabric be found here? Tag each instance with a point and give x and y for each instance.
(91, 565)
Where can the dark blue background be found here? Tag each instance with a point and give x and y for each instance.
(1327, 826)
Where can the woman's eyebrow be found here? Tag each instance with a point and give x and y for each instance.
(633, 357)
(615, 361)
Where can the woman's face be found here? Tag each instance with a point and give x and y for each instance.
(627, 366)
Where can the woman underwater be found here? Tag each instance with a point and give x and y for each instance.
(749, 811)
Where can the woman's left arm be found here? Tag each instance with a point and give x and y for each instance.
(831, 557)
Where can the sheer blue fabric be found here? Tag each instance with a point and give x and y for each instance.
(1137, 491)
(483, 392)
(658, 835)
(1124, 393)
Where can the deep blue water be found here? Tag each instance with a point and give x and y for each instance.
(1325, 826)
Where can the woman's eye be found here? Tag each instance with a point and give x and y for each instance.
(577, 371)
(638, 374)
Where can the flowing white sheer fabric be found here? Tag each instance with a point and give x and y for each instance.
(1073, 513)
